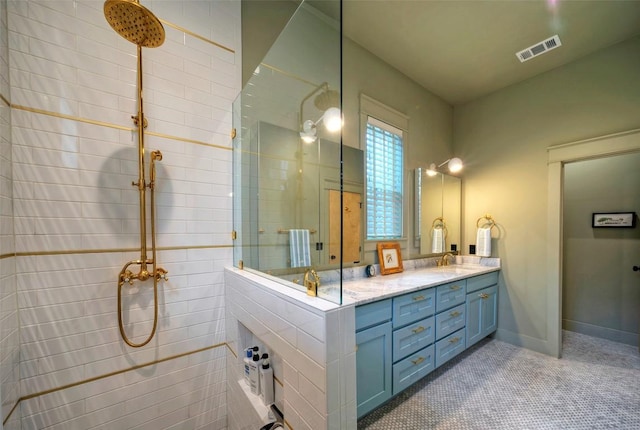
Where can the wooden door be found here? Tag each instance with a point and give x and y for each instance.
(352, 232)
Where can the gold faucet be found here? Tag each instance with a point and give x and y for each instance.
(444, 261)
(311, 282)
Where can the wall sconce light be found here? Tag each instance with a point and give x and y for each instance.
(327, 101)
(454, 165)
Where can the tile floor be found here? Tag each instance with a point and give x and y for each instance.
(496, 386)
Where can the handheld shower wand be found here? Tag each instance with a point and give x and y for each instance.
(138, 25)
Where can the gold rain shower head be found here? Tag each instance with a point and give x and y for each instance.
(134, 22)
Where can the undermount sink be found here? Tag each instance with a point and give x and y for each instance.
(456, 269)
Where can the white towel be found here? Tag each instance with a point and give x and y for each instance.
(483, 242)
(299, 247)
(437, 240)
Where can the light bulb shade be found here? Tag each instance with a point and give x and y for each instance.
(431, 171)
(308, 133)
(333, 119)
(455, 165)
(307, 138)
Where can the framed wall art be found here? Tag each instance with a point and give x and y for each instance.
(613, 219)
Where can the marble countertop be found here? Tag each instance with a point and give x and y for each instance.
(365, 290)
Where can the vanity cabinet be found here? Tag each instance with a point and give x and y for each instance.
(402, 339)
(481, 307)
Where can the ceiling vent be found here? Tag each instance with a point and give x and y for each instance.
(539, 48)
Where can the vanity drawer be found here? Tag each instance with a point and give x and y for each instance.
(413, 337)
(478, 282)
(372, 314)
(451, 294)
(449, 347)
(449, 321)
(412, 369)
(413, 307)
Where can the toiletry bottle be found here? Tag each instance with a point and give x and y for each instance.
(266, 381)
(248, 356)
(254, 374)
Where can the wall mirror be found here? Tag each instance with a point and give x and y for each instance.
(438, 209)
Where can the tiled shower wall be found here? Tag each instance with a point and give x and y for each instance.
(74, 157)
(9, 335)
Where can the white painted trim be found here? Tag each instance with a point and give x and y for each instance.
(558, 155)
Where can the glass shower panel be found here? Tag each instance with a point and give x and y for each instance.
(287, 158)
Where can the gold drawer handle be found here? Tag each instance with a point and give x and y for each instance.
(418, 330)
(454, 313)
(454, 340)
(418, 298)
(484, 296)
(455, 287)
(418, 360)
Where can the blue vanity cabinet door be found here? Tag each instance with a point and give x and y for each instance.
(413, 368)
(413, 337)
(373, 367)
(450, 295)
(413, 307)
(449, 321)
(482, 314)
(449, 347)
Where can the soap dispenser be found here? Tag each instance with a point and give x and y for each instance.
(254, 374)
(266, 381)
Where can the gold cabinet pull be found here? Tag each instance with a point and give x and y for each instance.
(418, 298)
(484, 296)
(418, 330)
(455, 287)
(418, 360)
(454, 340)
(454, 313)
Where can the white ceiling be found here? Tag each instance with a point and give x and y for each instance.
(462, 50)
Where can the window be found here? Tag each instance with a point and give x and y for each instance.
(385, 171)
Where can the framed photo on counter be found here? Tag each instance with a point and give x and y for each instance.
(390, 258)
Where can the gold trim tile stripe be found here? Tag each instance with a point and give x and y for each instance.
(3, 256)
(232, 351)
(278, 381)
(115, 126)
(107, 375)
(289, 75)
(5, 101)
(71, 117)
(110, 250)
(197, 36)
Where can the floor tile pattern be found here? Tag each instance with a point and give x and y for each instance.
(495, 385)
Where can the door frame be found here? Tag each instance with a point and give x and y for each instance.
(613, 144)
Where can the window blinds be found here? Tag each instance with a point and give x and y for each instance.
(385, 159)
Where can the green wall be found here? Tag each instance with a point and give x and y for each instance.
(430, 118)
(503, 139)
(600, 289)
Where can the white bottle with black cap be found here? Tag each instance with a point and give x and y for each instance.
(254, 374)
(266, 381)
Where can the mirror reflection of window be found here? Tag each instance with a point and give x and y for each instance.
(385, 171)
